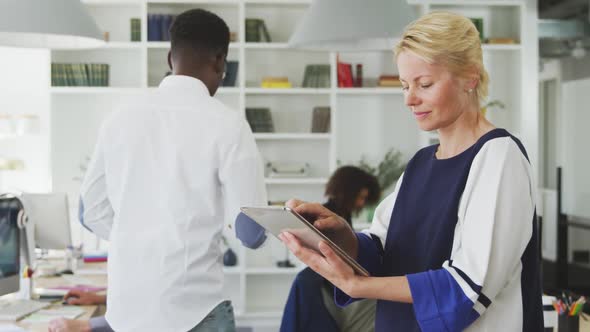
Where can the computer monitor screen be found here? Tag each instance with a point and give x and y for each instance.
(9, 245)
(50, 215)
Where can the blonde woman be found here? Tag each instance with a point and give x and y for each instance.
(454, 246)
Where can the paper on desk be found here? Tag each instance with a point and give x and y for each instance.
(73, 279)
(90, 271)
(11, 328)
(47, 315)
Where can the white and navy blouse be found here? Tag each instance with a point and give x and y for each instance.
(463, 231)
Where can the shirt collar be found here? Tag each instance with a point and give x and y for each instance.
(184, 84)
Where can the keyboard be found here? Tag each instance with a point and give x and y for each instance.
(14, 310)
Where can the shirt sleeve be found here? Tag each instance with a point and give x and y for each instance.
(371, 242)
(96, 212)
(242, 178)
(495, 224)
(99, 324)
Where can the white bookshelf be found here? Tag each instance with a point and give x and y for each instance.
(365, 122)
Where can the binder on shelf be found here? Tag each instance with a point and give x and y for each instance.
(316, 76)
(260, 120)
(79, 74)
(165, 26)
(344, 71)
(231, 74)
(256, 31)
(135, 29)
(320, 122)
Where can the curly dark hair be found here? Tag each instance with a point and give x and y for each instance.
(345, 185)
(199, 30)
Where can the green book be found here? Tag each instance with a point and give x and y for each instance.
(106, 75)
(260, 120)
(252, 30)
(53, 74)
(135, 29)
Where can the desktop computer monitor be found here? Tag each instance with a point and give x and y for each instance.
(49, 214)
(9, 245)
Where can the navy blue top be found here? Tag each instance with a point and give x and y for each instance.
(420, 239)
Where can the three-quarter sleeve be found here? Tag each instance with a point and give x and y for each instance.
(495, 224)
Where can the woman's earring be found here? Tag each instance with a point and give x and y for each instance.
(470, 90)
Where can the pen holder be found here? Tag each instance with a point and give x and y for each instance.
(568, 323)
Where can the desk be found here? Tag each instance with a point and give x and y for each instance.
(99, 280)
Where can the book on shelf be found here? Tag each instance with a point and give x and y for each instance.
(231, 74)
(316, 76)
(256, 31)
(135, 29)
(501, 40)
(159, 27)
(276, 82)
(389, 81)
(260, 119)
(358, 80)
(344, 72)
(79, 74)
(320, 122)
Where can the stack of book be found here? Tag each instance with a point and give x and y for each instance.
(276, 82)
(256, 31)
(260, 120)
(135, 29)
(320, 122)
(389, 81)
(316, 76)
(159, 27)
(344, 71)
(231, 74)
(79, 74)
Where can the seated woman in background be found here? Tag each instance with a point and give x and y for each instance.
(310, 306)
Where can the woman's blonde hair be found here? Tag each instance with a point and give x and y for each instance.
(448, 39)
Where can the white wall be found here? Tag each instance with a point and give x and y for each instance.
(24, 89)
(576, 106)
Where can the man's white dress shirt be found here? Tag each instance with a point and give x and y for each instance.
(166, 170)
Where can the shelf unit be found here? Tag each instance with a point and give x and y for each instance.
(365, 122)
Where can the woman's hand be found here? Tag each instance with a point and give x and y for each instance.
(329, 223)
(329, 266)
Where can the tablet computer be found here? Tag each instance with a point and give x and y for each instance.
(276, 220)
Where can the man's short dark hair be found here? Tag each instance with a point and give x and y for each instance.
(199, 30)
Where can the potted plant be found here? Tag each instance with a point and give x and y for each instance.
(387, 173)
(491, 104)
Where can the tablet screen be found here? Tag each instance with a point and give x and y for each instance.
(281, 219)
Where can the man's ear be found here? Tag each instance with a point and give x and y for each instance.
(219, 63)
(170, 60)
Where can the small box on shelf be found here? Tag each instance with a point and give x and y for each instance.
(276, 82)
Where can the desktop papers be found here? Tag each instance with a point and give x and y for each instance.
(47, 315)
(10, 328)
